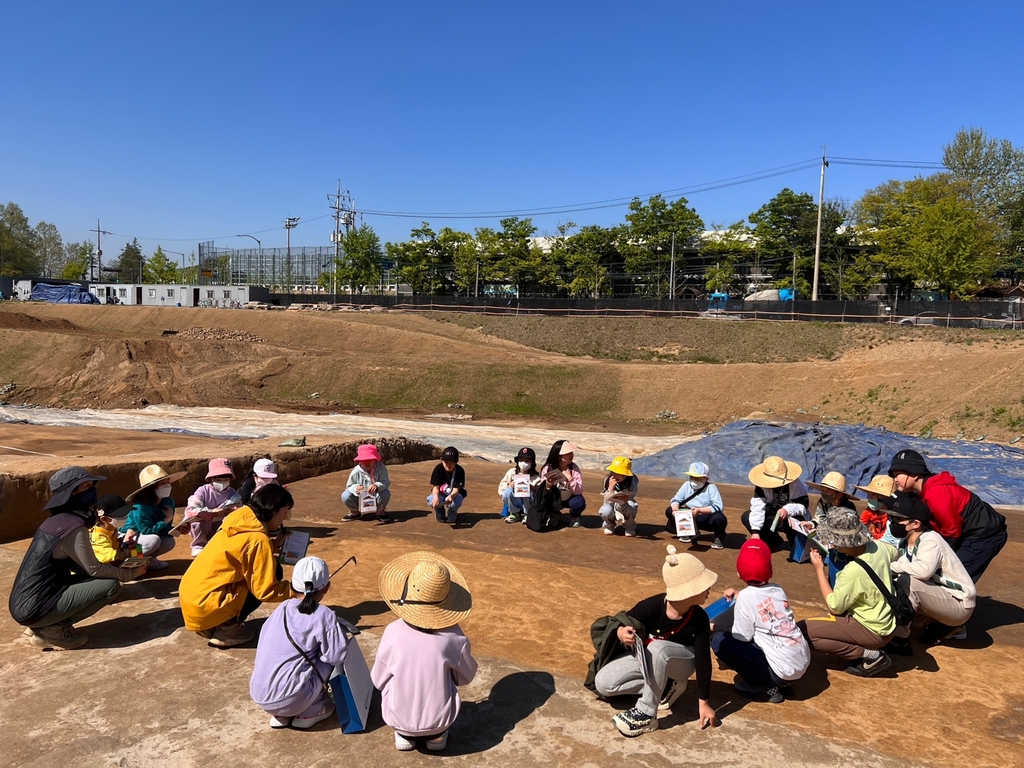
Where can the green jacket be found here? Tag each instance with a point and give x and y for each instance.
(603, 634)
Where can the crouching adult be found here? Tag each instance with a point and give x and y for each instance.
(60, 581)
(929, 573)
(237, 571)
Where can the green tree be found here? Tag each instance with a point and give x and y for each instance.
(419, 262)
(17, 243)
(646, 241)
(786, 226)
(49, 249)
(727, 247)
(130, 263)
(510, 255)
(159, 269)
(361, 256)
(78, 258)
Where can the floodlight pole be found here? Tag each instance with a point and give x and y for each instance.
(259, 246)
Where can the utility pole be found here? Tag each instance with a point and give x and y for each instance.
(672, 270)
(98, 261)
(817, 239)
(478, 279)
(344, 216)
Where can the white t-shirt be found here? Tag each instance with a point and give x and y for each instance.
(762, 614)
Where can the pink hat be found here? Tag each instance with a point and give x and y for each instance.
(220, 467)
(567, 447)
(367, 452)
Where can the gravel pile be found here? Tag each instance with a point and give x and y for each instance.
(219, 334)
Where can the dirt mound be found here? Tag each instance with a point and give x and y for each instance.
(219, 334)
(25, 322)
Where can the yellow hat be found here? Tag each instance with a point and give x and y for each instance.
(621, 466)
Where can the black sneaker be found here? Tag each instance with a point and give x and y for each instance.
(383, 517)
(717, 543)
(865, 668)
(673, 691)
(775, 695)
(900, 646)
(936, 633)
(350, 517)
(633, 722)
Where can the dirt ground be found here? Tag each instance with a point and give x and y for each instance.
(145, 690)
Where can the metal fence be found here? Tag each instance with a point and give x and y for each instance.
(282, 269)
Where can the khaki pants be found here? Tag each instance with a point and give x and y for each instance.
(841, 636)
(934, 601)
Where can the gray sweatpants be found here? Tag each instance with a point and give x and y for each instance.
(628, 512)
(668, 661)
(153, 544)
(80, 601)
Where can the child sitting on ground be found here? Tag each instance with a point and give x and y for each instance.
(368, 477)
(516, 508)
(620, 507)
(300, 645)
(153, 513)
(263, 473)
(210, 503)
(423, 657)
(875, 517)
(448, 487)
(764, 645)
(107, 544)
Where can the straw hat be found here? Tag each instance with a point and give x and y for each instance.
(152, 475)
(685, 575)
(621, 466)
(774, 472)
(834, 481)
(426, 590)
(842, 528)
(883, 485)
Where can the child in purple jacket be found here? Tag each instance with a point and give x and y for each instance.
(215, 495)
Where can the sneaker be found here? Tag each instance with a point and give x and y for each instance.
(350, 517)
(206, 634)
(156, 565)
(512, 519)
(59, 637)
(230, 634)
(686, 539)
(900, 646)
(630, 534)
(382, 517)
(717, 543)
(608, 531)
(633, 722)
(936, 633)
(302, 723)
(196, 551)
(404, 743)
(673, 691)
(438, 743)
(576, 523)
(280, 722)
(865, 668)
(960, 633)
(440, 513)
(775, 695)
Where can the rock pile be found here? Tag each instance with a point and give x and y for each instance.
(219, 334)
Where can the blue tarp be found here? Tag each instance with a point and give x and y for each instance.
(994, 472)
(62, 294)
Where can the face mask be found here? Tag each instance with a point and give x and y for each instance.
(262, 481)
(898, 529)
(163, 492)
(873, 505)
(698, 484)
(84, 501)
(220, 487)
(524, 466)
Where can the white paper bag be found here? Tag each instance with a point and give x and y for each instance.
(521, 486)
(367, 503)
(684, 522)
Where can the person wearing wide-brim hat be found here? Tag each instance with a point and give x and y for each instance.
(874, 516)
(704, 501)
(674, 633)
(832, 493)
(60, 582)
(619, 493)
(778, 490)
(368, 477)
(862, 622)
(423, 657)
(152, 514)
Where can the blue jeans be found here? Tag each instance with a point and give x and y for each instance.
(453, 508)
(746, 659)
(512, 505)
(351, 500)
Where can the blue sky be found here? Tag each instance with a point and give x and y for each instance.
(185, 121)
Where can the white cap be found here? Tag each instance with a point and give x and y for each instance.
(264, 468)
(313, 570)
(699, 469)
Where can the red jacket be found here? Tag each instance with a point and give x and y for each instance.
(946, 499)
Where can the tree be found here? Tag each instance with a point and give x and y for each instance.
(646, 240)
(130, 262)
(77, 260)
(786, 226)
(361, 257)
(510, 255)
(419, 262)
(159, 269)
(726, 247)
(49, 249)
(17, 243)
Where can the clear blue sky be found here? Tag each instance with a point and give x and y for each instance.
(185, 121)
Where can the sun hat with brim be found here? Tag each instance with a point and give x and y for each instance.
(882, 485)
(64, 481)
(426, 590)
(842, 528)
(774, 472)
(566, 448)
(685, 576)
(152, 475)
(699, 469)
(621, 466)
(833, 481)
(367, 452)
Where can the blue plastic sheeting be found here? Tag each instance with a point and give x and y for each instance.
(994, 472)
(62, 294)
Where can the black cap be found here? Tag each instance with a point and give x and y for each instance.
(113, 506)
(526, 454)
(451, 453)
(908, 462)
(907, 506)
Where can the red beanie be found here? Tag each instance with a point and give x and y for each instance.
(755, 562)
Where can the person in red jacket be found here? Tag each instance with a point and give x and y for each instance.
(974, 530)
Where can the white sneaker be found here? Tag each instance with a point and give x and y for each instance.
(438, 743)
(608, 532)
(326, 710)
(404, 743)
(280, 722)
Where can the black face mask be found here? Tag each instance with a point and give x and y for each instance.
(83, 505)
(898, 529)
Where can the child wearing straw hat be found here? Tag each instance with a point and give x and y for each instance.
(152, 514)
(778, 490)
(368, 477)
(423, 657)
(620, 507)
(832, 490)
(675, 639)
(300, 645)
(874, 517)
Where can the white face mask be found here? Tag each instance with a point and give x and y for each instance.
(163, 492)
(698, 483)
(524, 466)
(262, 481)
(220, 487)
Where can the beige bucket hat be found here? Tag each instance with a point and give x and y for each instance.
(774, 472)
(685, 575)
(426, 590)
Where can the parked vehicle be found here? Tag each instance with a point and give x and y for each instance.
(1004, 321)
(924, 318)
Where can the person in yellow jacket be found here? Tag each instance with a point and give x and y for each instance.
(237, 571)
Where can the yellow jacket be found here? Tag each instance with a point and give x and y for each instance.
(237, 561)
(104, 544)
